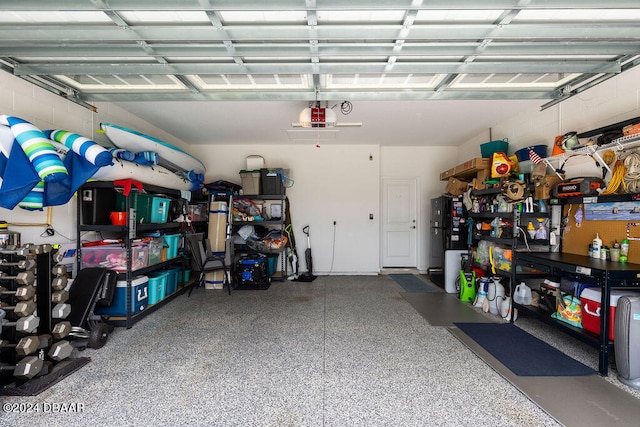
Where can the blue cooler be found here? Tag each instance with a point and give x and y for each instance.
(139, 298)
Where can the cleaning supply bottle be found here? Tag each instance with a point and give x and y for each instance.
(596, 246)
(624, 250)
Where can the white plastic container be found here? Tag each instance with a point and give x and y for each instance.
(596, 247)
(522, 294)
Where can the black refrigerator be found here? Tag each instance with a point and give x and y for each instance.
(448, 233)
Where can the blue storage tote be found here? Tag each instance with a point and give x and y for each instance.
(157, 287)
(159, 209)
(172, 280)
(172, 241)
(139, 298)
(148, 208)
(523, 153)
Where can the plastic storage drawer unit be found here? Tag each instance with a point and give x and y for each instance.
(114, 257)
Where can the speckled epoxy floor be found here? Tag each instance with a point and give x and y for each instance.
(341, 351)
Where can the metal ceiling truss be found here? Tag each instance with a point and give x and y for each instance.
(540, 58)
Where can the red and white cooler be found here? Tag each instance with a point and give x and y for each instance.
(590, 299)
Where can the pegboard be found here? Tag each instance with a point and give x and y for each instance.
(576, 240)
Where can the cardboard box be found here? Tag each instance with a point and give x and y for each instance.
(469, 168)
(456, 186)
(447, 174)
(543, 189)
(218, 212)
(481, 177)
(214, 280)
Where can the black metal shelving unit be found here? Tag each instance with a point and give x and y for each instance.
(282, 273)
(129, 233)
(516, 242)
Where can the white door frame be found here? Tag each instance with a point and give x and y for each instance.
(414, 180)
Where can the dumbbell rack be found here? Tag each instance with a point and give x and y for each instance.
(45, 363)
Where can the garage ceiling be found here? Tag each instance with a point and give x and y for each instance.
(327, 51)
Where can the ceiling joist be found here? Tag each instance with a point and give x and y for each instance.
(318, 49)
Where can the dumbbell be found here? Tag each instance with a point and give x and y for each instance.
(44, 341)
(21, 309)
(59, 283)
(61, 330)
(22, 278)
(12, 250)
(60, 350)
(41, 249)
(59, 296)
(59, 270)
(38, 249)
(23, 292)
(27, 367)
(60, 311)
(24, 347)
(26, 324)
(23, 264)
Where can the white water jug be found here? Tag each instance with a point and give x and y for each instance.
(495, 293)
(481, 296)
(522, 294)
(506, 308)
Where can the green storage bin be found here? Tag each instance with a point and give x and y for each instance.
(149, 209)
(488, 148)
(272, 264)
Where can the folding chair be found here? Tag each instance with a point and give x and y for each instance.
(202, 261)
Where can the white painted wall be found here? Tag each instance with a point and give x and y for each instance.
(424, 164)
(332, 183)
(615, 100)
(48, 111)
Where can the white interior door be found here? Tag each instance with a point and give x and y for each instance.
(399, 221)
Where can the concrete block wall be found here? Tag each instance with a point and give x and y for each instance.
(615, 100)
(49, 111)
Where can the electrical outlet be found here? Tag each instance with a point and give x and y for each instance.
(552, 238)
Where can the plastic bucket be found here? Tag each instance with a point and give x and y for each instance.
(488, 148)
(523, 153)
(118, 218)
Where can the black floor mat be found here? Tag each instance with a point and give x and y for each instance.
(37, 385)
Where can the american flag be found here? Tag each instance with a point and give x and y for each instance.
(534, 157)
